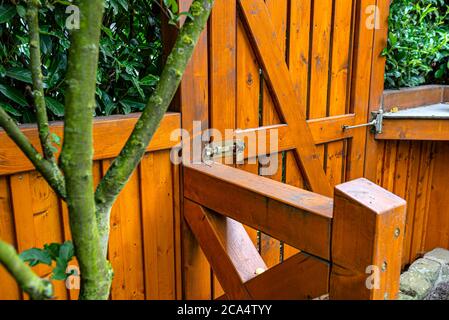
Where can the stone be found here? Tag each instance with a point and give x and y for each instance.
(403, 296)
(440, 255)
(430, 269)
(440, 292)
(415, 284)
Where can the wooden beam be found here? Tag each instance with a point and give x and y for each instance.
(300, 277)
(300, 218)
(110, 135)
(415, 129)
(414, 97)
(265, 41)
(323, 130)
(367, 237)
(240, 269)
(228, 248)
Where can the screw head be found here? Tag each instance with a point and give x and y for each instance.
(397, 233)
(384, 266)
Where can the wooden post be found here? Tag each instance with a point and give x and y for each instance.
(367, 238)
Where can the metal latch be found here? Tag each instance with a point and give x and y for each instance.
(234, 148)
(376, 123)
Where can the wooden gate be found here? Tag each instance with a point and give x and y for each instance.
(300, 66)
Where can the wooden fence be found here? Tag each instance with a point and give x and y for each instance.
(144, 247)
(410, 159)
(325, 58)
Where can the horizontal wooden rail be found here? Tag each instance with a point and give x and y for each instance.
(300, 218)
(323, 130)
(415, 129)
(110, 135)
(415, 97)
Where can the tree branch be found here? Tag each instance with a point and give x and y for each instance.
(48, 169)
(77, 152)
(37, 288)
(124, 165)
(38, 84)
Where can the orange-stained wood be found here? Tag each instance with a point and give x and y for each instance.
(415, 129)
(275, 69)
(228, 248)
(367, 238)
(415, 97)
(300, 277)
(156, 192)
(299, 218)
(110, 135)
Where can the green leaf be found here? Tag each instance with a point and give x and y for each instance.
(55, 139)
(8, 108)
(66, 254)
(21, 11)
(7, 12)
(52, 249)
(14, 95)
(149, 80)
(20, 74)
(55, 106)
(36, 256)
(67, 251)
(127, 103)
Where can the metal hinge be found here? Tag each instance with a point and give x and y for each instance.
(234, 148)
(376, 123)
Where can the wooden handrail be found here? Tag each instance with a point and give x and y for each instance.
(300, 218)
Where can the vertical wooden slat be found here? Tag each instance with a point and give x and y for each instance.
(438, 222)
(158, 226)
(248, 95)
(176, 174)
(9, 289)
(339, 84)
(298, 50)
(37, 219)
(412, 176)
(321, 49)
(422, 200)
(319, 63)
(278, 9)
(223, 49)
(223, 73)
(125, 242)
(368, 97)
(194, 106)
(360, 88)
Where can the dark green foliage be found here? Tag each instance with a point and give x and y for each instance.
(418, 43)
(129, 65)
(62, 254)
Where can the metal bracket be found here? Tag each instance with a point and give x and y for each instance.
(234, 148)
(376, 123)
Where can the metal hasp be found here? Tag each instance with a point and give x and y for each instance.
(376, 122)
(228, 148)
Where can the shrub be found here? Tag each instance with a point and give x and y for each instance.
(418, 43)
(130, 57)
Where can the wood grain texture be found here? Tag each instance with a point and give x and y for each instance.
(415, 129)
(156, 191)
(276, 70)
(110, 135)
(415, 97)
(368, 230)
(277, 209)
